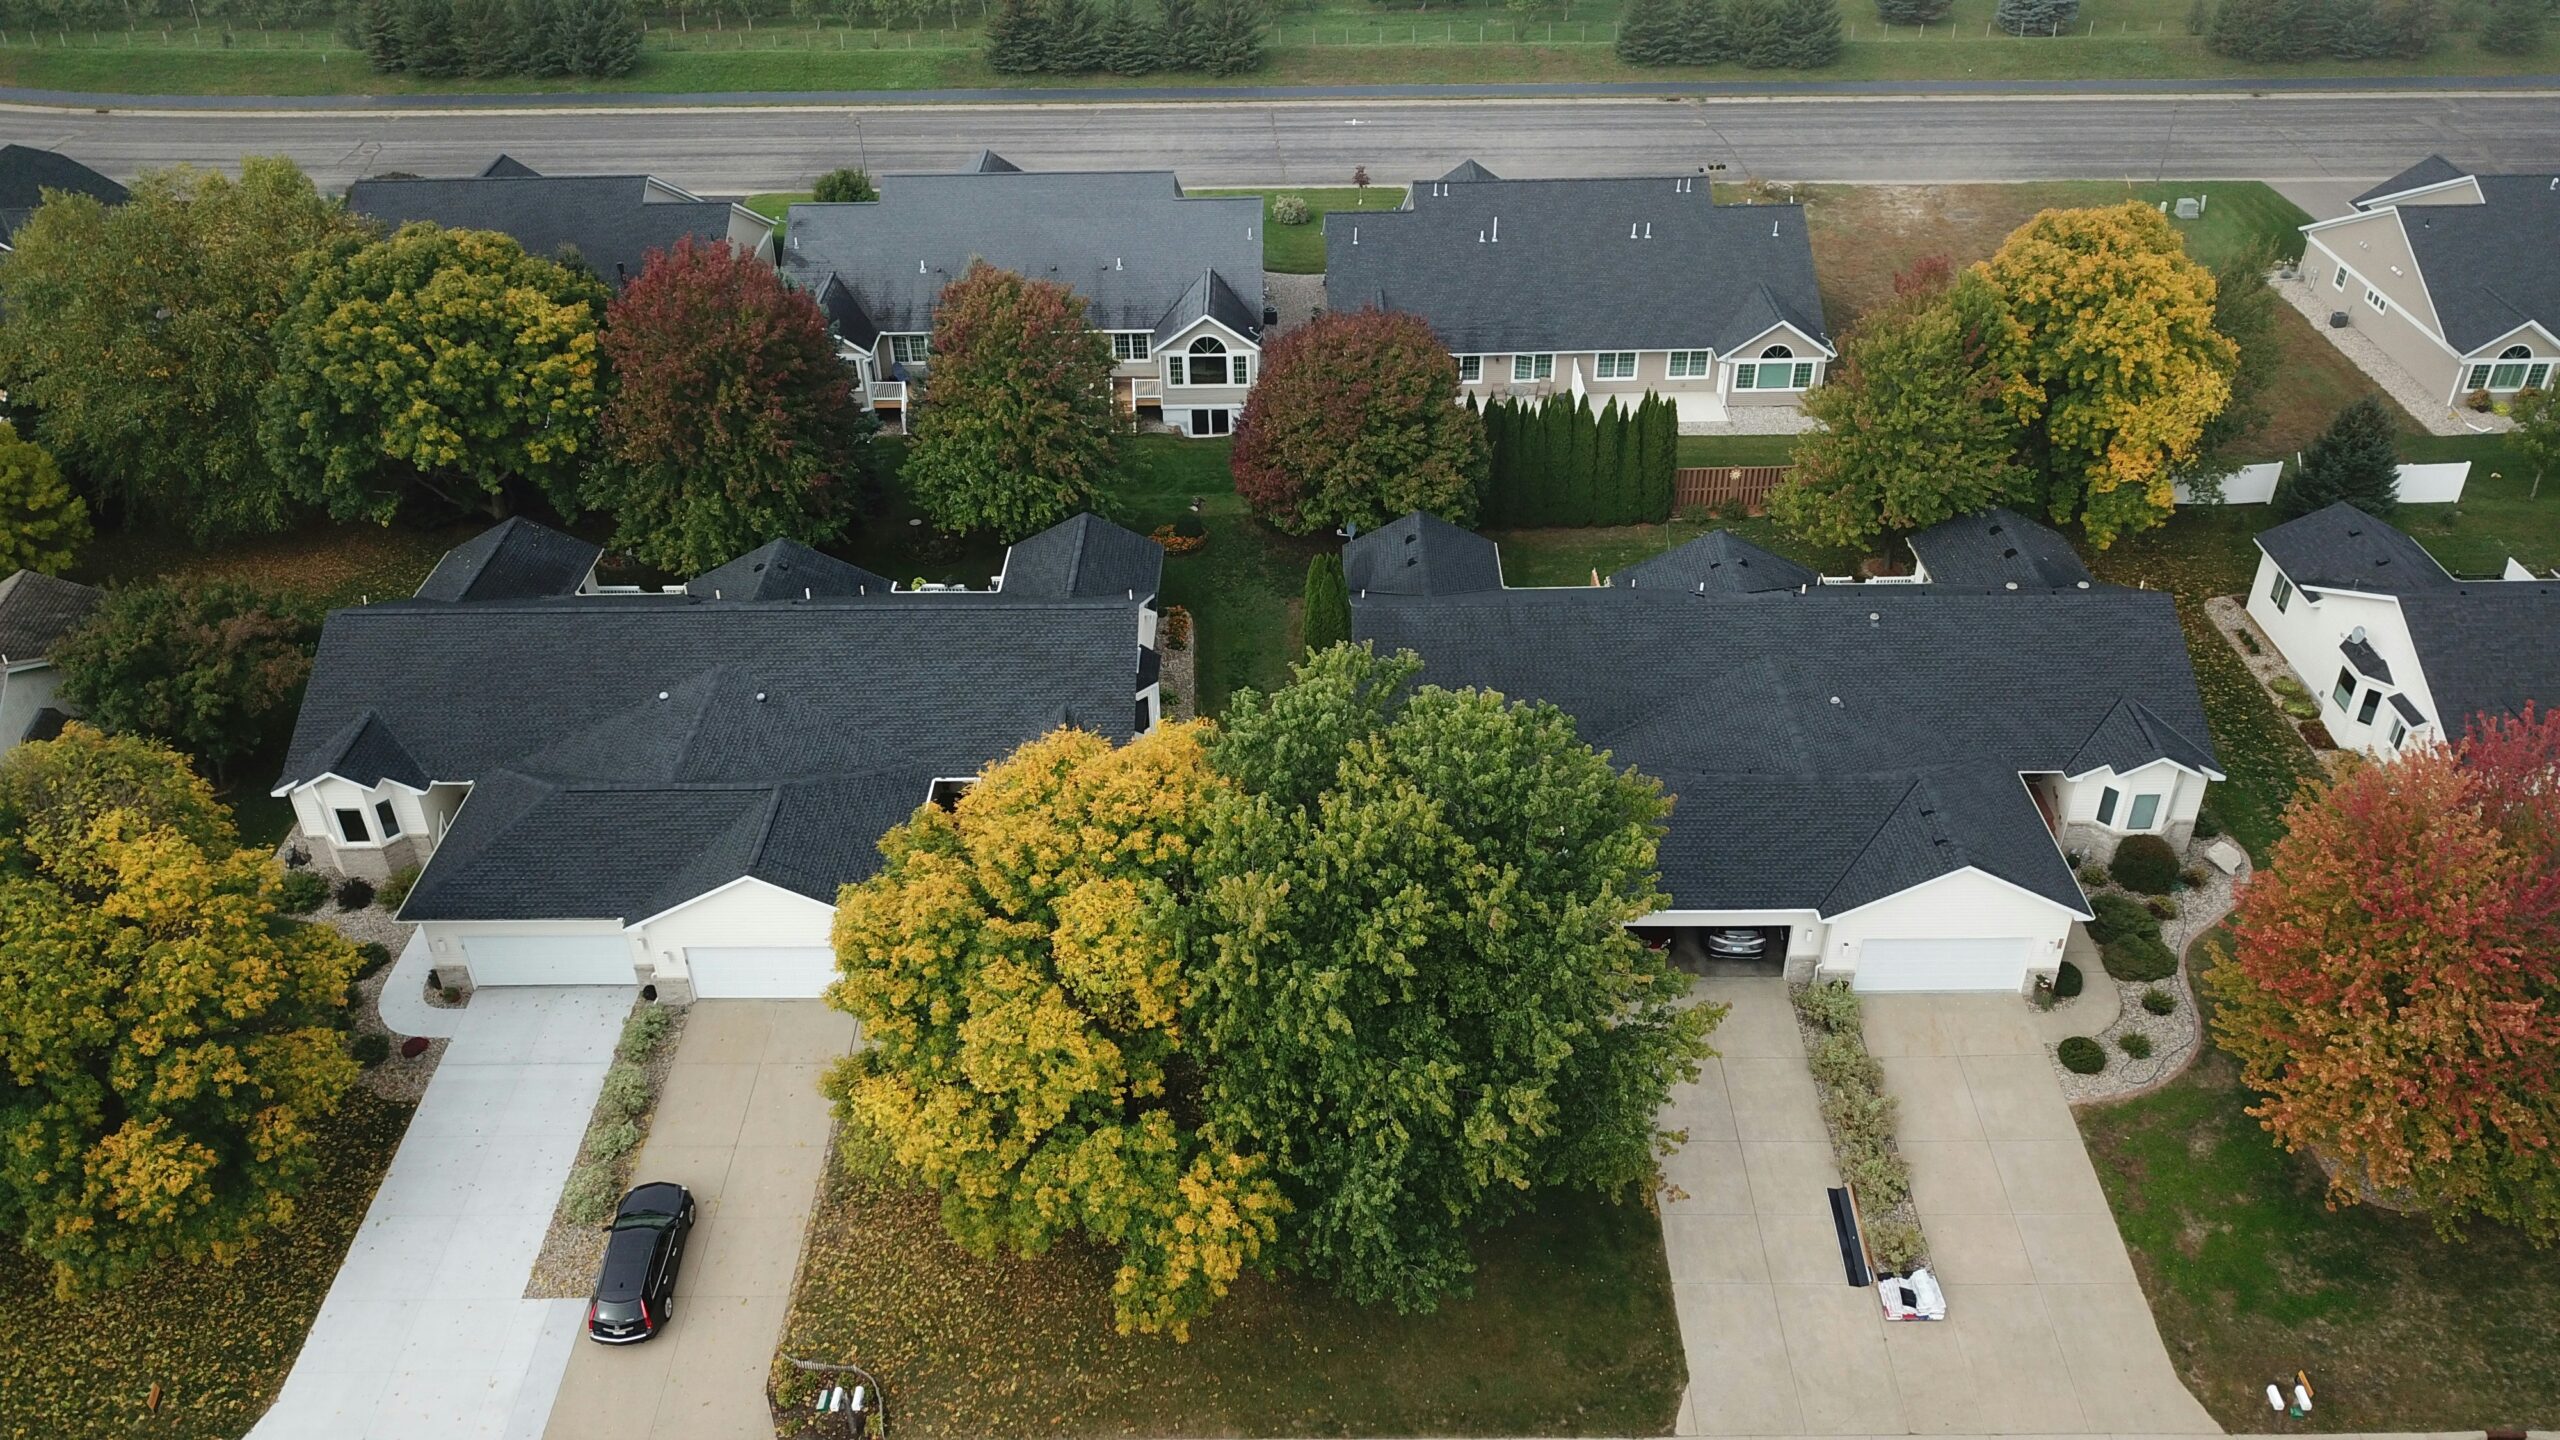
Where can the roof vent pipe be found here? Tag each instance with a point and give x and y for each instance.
(920, 267)
(1497, 229)
(1773, 229)
(1648, 229)
(2356, 636)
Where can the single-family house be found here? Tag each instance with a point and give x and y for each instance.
(27, 172)
(36, 611)
(617, 786)
(609, 223)
(1605, 288)
(1889, 782)
(1174, 281)
(2400, 651)
(2454, 273)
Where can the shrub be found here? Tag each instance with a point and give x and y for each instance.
(1839, 1060)
(370, 1049)
(2136, 1044)
(2136, 959)
(1895, 1246)
(2067, 981)
(2145, 863)
(1831, 1007)
(394, 892)
(354, 893)
(376, 955)
(1175, 628)
(1290, 210)
(2161, 906)
(608, 1143)
(302, 891)
(2300, 707)
(2112, 917)
(2316, 735)
(2159, 1001)
(2248, 642)
(588, 1197)
(2287, 686)
(626, 1089)
(2081, 1055)
(451, 994)
(1175, 542)
(1856, 1113)
(844, 186)
(2479, 400)
(414, 1046)
(1880, 1180)
(2093, 876)
(2208, 824)
(2195, 877)
(642, 1032)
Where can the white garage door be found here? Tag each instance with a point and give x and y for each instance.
(1886, 965)
(549, 959)
(760, 972)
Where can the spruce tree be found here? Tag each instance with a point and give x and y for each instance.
(1074, 41)
(1017, 38)
(1609, 467)
(2515, 27)
(537, 48)
(2354, 460)
(1913, 12)
(1755, 33)
(1649, 35)
(1233, 43)
(1129, 43)
(2354, 30)
(1181, 35)
(1325, 606)
(484, 35)
(599, 37)
(2413, 26)
(2036, 17)
(378, 30)
(426, 38)
(1812, 31)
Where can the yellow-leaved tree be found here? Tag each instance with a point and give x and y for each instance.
(169, 1037)
(2110, 329)
(1020, 969)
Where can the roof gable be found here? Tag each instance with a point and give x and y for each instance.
(1085, 557)
(1718, 561)
(27, 172)
(2490, 267)
(37, 610)
(515, 559)
(1421, 555)
(786, 570)
(2434, 170)
(609, 222)
(2339, 547)
(1999, 549)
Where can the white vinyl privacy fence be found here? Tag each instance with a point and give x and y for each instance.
(2419, 484)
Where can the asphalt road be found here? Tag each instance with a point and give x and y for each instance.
(729, 151)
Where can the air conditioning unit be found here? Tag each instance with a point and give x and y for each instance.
(2337, 319)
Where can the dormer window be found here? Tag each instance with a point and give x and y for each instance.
(1207, 365)
(1777, 369)
(945, 794)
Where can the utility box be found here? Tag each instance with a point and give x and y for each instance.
(2190, 207)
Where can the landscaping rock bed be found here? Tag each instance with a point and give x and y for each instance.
(397, 1077)
(2428, 409)
(1181, 674)
(2230, 615)
(2173, 1039)
(571, 1251)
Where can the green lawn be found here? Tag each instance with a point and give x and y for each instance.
(1299, 249)
(1326, 42)
(1570, 1331)
(216, 1340)
(2251, 1276)
(775, 205)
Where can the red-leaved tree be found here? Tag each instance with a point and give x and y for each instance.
(1355, 422)
(2394, 989)
(731, 421)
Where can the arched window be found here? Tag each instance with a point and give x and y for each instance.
(2516, 352)
(2516, 369)
(1777, 352)
(1208, 362)
(1777, 369)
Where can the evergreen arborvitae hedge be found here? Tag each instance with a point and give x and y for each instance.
(496, 37)
(1559, 462)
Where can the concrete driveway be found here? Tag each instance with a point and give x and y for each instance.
(741, 1124)
(425, 1334)
(2047, 1331)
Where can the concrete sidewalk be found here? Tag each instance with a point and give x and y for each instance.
(741, 1124)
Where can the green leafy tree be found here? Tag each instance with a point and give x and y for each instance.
(839, 187)
(1018, 432)
(172, 1039)
(43, 526)
(731, 421)
(1021, 971)
(138, 336)
(440, 361)
(2110, 330)
(1018, 38)
(1916, 424)
(2536, 438)
(1326, 605)
(2356, 460)
(1418, 994)
(213, 667)
(2245, 313)
(1351, 424)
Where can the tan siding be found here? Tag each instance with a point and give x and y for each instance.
(2374, 247)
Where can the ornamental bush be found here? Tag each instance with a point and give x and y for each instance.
(376, 955)
(2159, 1001)
(354, 893)
(2145, 863)
(2115, 916)
(302, 892)
(394, 892)
(2136, 959)
(588, 1197)
(1831, 1006)
(626, 1089)
(1290, 210)
(2067, 981)
(1880, 1180)
(642, 1032)
(2081, 1055)
(1861, 1117)
(1896, 1246)
(370, 1049)
(2135, 1044)
(611, 1142)
(1839, 1060)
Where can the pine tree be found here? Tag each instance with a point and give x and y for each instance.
(2354, 30)
(378, 33)
(1704, 34)
(2036, 17)
(1129, 42)
(1182, 35)
(599, 37)
(1650, 33)
(2413, 26)
(1755, 32)
(537, 50)
(2514, 27)
(484, 35)
(1812, 31)
(1609, 467)
(426, 38)
(1074, 39)
(2354, 460)
(1325, 606)
(1234, 37)
(1017, 38)
(1913, 12)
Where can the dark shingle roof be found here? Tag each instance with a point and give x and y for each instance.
(27, 172)
(2367, 660)
(513, 560)
(1822, 758)
(2434, 170)
(2408, 708)
(1421, 555)
(1998, 548)
(2339, 547)
(508, 167)
(1210, 297)
(36, 611)
(1721, 562)
(991, 163)
(629, 752)
(786, 570)
(608, 220)
(2491, 267)
(1087, 557)
(1130, 243)
(1469, 170)
(2487, 648)
(1563, 273)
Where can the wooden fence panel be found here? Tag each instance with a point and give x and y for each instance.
(1715, 485)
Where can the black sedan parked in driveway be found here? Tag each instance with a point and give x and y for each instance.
(635, 1292)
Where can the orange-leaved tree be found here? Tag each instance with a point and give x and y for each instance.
(2393, 991)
